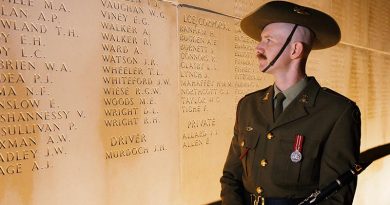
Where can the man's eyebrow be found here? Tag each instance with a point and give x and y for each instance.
(266, 36)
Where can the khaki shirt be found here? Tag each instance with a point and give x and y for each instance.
(291, 93)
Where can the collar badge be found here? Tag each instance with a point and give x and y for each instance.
(266, 97)
(304, 99)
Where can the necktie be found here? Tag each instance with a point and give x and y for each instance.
(279, 105)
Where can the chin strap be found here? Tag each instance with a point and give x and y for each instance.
(282, 49)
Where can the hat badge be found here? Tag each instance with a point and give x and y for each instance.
(301, 10)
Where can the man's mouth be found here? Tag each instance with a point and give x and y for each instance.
(261, 56)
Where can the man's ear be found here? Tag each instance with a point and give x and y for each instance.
(297, 50)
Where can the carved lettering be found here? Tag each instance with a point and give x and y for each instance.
(23, 26)
(39, 166)
(19, 155)
(123, 70)
(113, 154)
(21, 2)
(11, 78)
(123, 6)
(13, 12)
(28, 129)
(19, 104)
(121, 111)
(19, 142)
(118, 101)
(11, 169)
(121, 122)
(17, 65)
(129, 139)
(57, 7)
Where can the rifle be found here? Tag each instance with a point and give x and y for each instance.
(365, 159)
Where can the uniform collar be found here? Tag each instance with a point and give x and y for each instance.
(297, 108)
(306, 96)
(309, 94)
(292, 92)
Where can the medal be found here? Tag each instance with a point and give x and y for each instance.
(296, 155)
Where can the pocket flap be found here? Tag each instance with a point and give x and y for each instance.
(250, 137)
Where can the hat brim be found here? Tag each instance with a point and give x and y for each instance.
(325, 28)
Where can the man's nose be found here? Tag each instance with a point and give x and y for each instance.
(260, 48)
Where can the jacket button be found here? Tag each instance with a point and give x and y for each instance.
(242, 144)
(259, 190)
(263, 162)
(270, 136)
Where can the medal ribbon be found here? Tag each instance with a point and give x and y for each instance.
(244, 153)
(298, 143)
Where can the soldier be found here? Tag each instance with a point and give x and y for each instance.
(294, 136)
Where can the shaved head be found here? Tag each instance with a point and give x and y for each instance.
(305, 36)
(302, 34)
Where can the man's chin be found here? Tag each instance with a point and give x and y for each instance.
(262, 67)
(262, 64)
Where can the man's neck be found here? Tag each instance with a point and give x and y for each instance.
(284, 80)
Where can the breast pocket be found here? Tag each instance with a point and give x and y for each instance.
(285, 172)
(248, 143)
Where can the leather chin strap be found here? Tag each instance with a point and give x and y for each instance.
(282, 49)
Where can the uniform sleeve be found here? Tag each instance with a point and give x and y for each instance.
(231, 180)
(341, 151)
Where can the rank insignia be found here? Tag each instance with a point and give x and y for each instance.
(296, 155)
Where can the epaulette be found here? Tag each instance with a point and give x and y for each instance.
(258, 91)
(336, 94)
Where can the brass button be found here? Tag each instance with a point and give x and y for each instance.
(263, 162)
(259, 190)
(242, 144)
(270, 136)
(249, 129)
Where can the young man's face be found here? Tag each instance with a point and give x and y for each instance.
(273, 37)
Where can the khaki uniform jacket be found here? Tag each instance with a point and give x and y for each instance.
(330, 124)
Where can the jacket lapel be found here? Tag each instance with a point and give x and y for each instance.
(265, 106)
(298, 107)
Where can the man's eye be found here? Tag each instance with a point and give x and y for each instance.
(266, 40)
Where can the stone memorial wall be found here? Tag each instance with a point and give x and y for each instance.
(133, 101)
